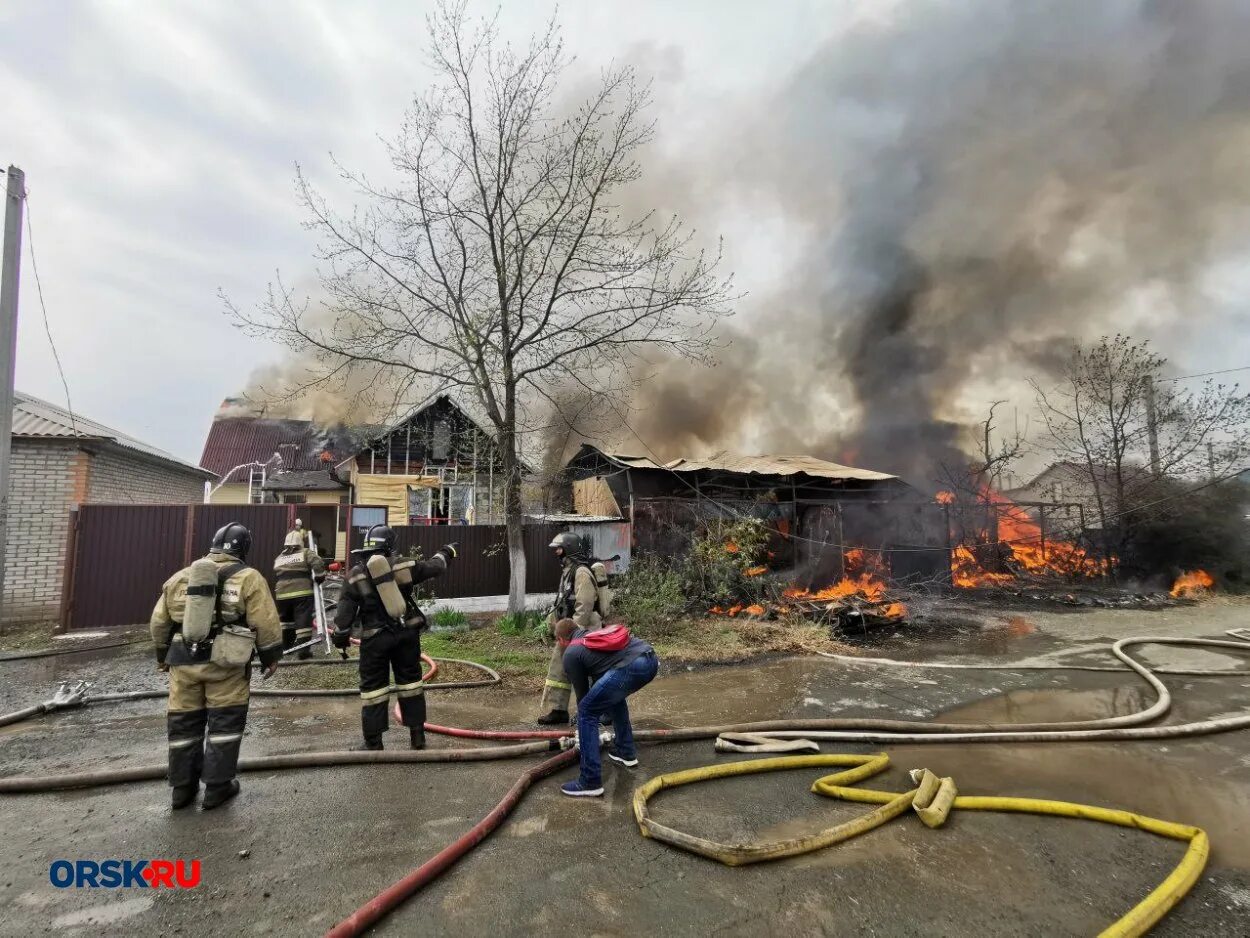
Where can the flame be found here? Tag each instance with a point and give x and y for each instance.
(734, 610)
(945, 498)
(755, 571)
(1023, 537)
(755, 610)
(1189, 583)
(717, 611)
(731, 547)
(864, 586)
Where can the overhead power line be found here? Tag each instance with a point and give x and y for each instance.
(47, 328)
(1206, 374)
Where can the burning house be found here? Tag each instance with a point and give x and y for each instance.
(822, 516)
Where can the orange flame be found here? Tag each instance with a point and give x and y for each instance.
(755, 571)
(1023, 537)
(1191, 583)
(945, 498)
(731, 547)
(755, 610)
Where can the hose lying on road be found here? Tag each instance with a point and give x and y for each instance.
(58, 652)
(27, 784)
(1032, 666)
(397, 893)
(933, 799)
(870, 730)
(71, 701)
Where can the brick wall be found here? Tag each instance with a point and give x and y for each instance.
(51, 477)
(44, 474)
(122, 478)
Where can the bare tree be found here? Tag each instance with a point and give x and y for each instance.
(973, 509)
(501, 262)
(1131, 455)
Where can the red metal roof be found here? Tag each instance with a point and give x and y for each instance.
(234, 441)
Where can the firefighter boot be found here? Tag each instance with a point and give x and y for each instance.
(554, 718)
(371, 743)
(417, 737)
(217, 795)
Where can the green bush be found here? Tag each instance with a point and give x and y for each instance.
(448, 619)
(716, 572)
(532, 625)
(652, 591)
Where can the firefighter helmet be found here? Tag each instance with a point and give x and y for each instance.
(380, 537)
(233, 539)
(573, 545)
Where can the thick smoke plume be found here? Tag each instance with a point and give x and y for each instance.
(979, 183)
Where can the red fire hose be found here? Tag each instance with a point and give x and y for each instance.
(496, 734)
(390, 898)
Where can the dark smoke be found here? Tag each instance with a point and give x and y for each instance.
(981, 182)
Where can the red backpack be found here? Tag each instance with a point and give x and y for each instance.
(608, 638)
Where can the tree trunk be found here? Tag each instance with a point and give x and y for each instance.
(513, 519)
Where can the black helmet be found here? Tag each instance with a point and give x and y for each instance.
(572, 544)
(233, 539)
(380, 537)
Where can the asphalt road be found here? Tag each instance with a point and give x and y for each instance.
(299, 850)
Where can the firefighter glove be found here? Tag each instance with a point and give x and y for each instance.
(341, 639)
(451, 550)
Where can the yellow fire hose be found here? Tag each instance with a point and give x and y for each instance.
(932, 799)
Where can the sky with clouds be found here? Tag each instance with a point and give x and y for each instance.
(159, 141)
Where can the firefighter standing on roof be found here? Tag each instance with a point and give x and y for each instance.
(295, 569)
(577, 598)
(378, 596)
(210, 619)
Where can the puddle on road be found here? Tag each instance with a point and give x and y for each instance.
(1052, 705)
(1109, 776)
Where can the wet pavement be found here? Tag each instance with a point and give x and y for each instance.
(321, 842)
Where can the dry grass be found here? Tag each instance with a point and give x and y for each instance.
(693, 641)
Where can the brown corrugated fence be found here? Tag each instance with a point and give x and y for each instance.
(121, 554)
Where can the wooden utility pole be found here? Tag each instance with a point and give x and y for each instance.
(1152, 426)
(15, 194)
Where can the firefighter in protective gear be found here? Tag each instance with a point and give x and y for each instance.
(209, 679)
(577, 598)
(296, 568)
(390, 631)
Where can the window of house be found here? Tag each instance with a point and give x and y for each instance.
(295, 499)
(440, 445)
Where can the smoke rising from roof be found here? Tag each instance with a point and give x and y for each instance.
(978, 183)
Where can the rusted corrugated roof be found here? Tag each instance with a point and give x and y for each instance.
(747, 465)
(779, 466)
(234, 441)
(33, 417)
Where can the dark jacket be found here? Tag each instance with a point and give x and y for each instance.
(360, 604)
(584, 665)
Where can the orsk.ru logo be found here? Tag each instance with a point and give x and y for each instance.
(125, 874)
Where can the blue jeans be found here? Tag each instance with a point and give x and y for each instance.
(608, 696)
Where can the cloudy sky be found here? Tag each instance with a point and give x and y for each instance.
(159, 140)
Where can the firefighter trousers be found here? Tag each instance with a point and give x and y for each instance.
(556, 689)
(297, 620)
(206, 718)
(397, 649)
